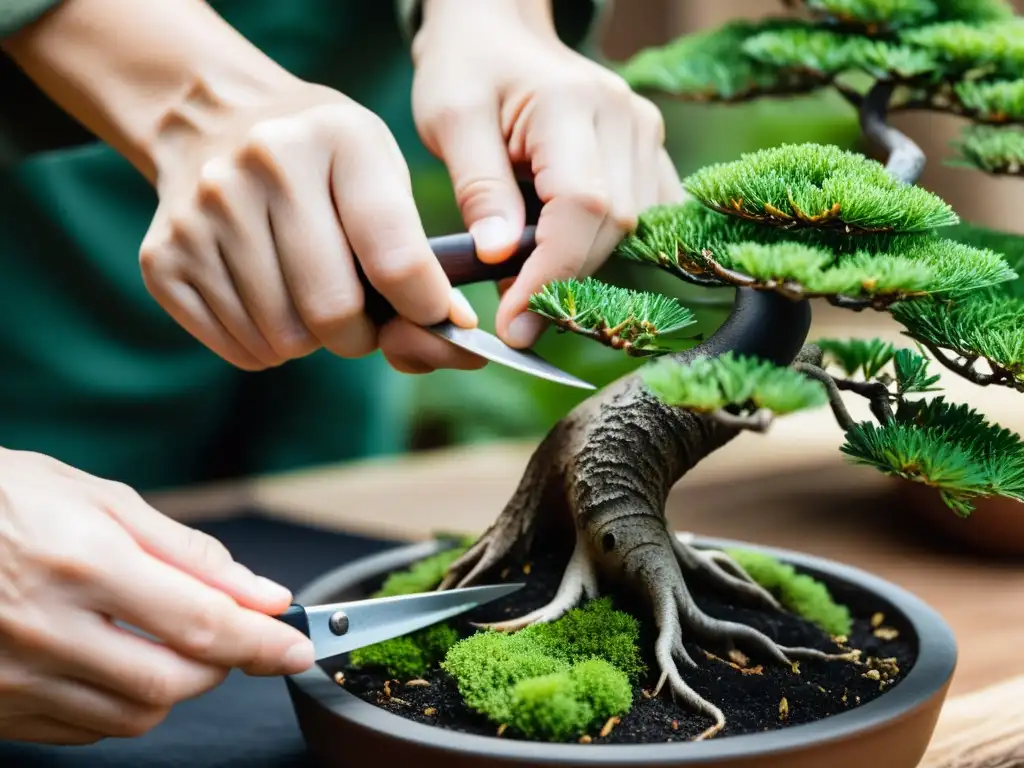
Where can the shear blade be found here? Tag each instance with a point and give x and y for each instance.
(492, 348)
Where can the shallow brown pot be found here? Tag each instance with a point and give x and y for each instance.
(996, 527)
(891, 731)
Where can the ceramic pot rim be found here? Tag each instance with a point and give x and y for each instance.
(936, 661)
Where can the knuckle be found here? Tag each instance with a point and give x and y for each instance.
(16, 681)
(213, 189)
(206, 552)
(396, 266)
(649, 115)
(205, 625)
(331, 311)
(158, 688)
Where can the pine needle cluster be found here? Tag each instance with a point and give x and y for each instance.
(744, 384)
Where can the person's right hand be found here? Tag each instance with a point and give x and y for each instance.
(78, 553)
(268, 198)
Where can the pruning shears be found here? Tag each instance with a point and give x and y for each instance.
(338, 628)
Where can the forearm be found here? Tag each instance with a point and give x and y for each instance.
(123, 67)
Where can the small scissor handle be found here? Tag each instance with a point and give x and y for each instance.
(457, 255)
(296, 618)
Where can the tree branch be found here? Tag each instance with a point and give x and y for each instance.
(876, 393)
(835, 397)
(905, 159)
(759, 421)
(967, 371)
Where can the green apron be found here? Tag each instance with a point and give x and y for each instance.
(96, 374)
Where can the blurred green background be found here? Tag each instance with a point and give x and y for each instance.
(457, 407)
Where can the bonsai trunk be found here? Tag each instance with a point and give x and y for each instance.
(609, 465)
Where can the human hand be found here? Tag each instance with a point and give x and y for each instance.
(269, 196)
(77, 553)
(496, 94)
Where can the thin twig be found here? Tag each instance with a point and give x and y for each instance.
(835, 397)
(966, 370)
(759, 421)
(905, 160)
(877, 394)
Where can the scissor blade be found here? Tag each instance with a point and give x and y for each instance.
(372, 621)
(491, 347)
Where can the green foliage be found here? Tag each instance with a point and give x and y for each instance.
(618, 317)
(826, 54)
(946, 446)
(993, 150)
(993, 101)
(874, 14)
(866, 357)
(886, 15)
(708, 66)
(564, 704)
(819, 186)
(554, 680)
(979, 325)
(995, 48)
(412, 655)
(912, 373)
(798, 592)
(690, 240)
(710, 384)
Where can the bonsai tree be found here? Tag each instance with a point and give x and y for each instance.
(784, 226)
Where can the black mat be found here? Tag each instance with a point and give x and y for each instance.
(246, 721)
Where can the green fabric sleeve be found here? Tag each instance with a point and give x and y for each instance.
(15, 14)
(575, 20)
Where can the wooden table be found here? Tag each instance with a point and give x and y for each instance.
(791, 488)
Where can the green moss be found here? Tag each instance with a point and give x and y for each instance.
(551, 681)
(798, 592)
(564, 704)
(412, 655)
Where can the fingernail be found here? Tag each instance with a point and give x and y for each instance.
(524, 330)
(491, 234)
(462, 313)
(272, 591)
(299, 657)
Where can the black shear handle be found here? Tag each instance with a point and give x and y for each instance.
(457, 255)
(296, 618)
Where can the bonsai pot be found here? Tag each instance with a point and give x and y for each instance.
(890, 731)
(995, 527)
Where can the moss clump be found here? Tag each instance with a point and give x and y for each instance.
(412, 655)
(563, 704)
(802, 594)
(551, 681)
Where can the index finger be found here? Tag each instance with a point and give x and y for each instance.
(196, 620)
(378, 213)
(570, 181)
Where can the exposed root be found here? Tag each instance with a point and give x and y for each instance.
(514, 527)
(578, 581)
(724, 573)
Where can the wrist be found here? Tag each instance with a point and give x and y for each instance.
(447, 22)
(126, 70)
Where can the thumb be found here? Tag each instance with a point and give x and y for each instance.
(200, 555)
(473, 148)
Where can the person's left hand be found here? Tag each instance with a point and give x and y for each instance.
(496, 95)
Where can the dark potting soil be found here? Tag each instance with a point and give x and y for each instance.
(762, 696)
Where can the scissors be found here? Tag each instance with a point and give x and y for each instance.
(338, 628)
(457, 256)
